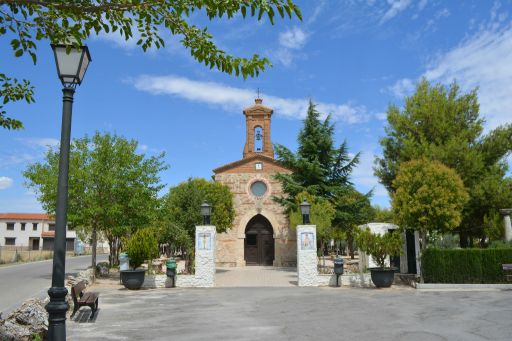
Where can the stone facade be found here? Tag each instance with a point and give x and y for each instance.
(257, 165)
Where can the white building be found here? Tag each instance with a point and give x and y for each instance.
(35, 231)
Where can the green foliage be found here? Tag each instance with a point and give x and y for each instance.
(319, 168)
(382, 214)
(439, 123)
(439, 240)
(493, 225)
(500, 244)
(111, 188)
(429, 196)
(465, 265)
(181, 210)
(321, 214)
(26, 23)
(379, 246)
(142, 246)
(13, 91)
(323, 171)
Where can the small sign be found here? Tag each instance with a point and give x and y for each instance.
(204, 241)
(307, 241)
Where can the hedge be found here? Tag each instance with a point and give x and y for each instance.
(465, 265)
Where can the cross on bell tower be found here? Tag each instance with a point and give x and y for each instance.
(257, 118)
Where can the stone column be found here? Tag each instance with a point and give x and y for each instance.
(205, 256)
(307, 271)
(506, 212)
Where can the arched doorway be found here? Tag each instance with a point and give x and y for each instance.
(259, 242)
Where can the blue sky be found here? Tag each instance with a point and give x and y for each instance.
(353, 58)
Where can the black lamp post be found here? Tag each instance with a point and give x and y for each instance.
(304, 209)
(206, 212)
(71, 67)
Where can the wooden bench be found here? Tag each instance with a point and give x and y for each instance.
(81, 298)
(507, 268)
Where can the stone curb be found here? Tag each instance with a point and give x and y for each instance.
(446, 286)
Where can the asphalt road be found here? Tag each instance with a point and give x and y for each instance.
(20, 282)
(260, 314)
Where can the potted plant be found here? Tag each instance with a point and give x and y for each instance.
(380, 247)
(142, 246)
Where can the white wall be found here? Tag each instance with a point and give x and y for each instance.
(23, 237)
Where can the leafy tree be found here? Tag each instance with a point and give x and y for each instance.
(112, 189)
(382, 214)
(429, 197)
(181, 212)
(26, 23)
(352, 209)
(441, 123)
(322, 170)
(318, 167)
(321, 214)
(142, 246)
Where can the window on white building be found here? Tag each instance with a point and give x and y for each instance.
(23, 226)
(34, 226)
(10, 241)
(51, 227)
(10, 226)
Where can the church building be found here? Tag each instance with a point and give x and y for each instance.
(260, 234)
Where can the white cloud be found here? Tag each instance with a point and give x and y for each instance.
(5, 182)
(422, 4)
(401, 88)
(484, 60)
(234, 99)
(382, 116)
(290, 41)
(363, 178)
(397, 6)
(120, 41)
(294, 38)
(40, 142)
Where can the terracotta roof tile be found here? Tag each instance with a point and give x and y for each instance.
(25, 216)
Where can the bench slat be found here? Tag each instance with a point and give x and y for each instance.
(88, 297)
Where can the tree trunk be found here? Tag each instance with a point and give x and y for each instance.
(350, 243)
(463, 239)
(93, 260)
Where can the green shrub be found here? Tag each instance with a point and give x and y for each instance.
(500, 244)
(142, 246)
(465, 265)
(379, 246)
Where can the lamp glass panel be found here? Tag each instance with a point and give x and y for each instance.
(85, 64)
(304, 207)
(205, 210)
(68, 63)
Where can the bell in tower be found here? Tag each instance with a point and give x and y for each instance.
(257, 118)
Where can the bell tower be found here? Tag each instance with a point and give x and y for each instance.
(257, 140)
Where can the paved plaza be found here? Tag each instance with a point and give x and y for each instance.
(256, 276)
(278, 313)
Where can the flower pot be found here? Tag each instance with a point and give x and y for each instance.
(133, 279)
(383, 277)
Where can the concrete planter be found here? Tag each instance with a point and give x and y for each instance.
(133, 279)
(383, 277)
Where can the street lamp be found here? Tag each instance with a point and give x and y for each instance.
(304, 209)
(206, 212)
(72, 62)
